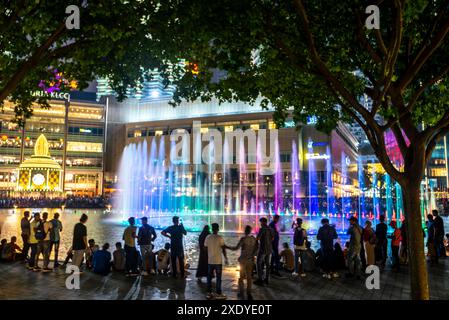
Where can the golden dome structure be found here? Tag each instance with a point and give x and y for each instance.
(40, 172)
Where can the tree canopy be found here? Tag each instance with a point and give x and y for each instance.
(318, 58)
(110, 42)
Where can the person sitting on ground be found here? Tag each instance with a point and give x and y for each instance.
(309, 258)
(9, 252)
(2, 246)
(119, 258)
(319, 259)
(163, 259)
(446, 243)
(92, 247)
(68, 257)
(287, 258)
(101, 261)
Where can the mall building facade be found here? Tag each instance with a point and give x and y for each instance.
(334, 155)
(75, 131)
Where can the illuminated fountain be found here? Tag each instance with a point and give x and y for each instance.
(236, 192)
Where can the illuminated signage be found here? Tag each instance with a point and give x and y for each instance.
(53, 95)
(312, 120)
(314, 156)
(347, 161)
(85, 130)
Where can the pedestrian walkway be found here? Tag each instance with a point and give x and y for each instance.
(18, 283)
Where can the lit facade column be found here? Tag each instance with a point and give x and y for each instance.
(66, 129)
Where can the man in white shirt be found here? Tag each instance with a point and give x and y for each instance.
(215, 248)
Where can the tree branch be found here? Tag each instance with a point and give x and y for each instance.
(325, 72)
(423, 56)
(32, 62)
(424, 86)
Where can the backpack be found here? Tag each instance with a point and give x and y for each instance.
(40, 231)
(144, 236)
(298, 238)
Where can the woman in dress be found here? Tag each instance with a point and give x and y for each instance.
(369, 243)
(202, 269)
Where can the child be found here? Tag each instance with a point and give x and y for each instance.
(118, 258)
(163, 259)
(345, 251)
(287, 258)
(92, 247)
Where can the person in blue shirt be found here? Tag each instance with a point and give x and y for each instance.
(102, 261)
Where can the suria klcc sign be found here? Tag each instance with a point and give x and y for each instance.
(52, 95)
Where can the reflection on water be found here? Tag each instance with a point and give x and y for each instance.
(105, 226)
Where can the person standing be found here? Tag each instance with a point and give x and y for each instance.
(439, 234)
(265, 239)
(202, 269)
(79, 244)
(275, 259)
(25, 233)
(215, 248)
(369, 243)
(145, 239)
(395, 243)
(355, 246)
(33, 241)
(381, 241)
(175, 233)
(432, 247)
(403, 256)
(248, 246)
(326, 235)
(299, 241)
(43, 246)
(129, 236)
(55, 237)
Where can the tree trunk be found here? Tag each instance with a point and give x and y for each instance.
(415, 242)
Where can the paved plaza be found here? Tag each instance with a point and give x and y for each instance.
(18, 283)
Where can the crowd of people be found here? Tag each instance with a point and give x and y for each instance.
(46, 202)
(259, 254)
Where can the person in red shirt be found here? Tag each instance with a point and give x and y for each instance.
(395, 243)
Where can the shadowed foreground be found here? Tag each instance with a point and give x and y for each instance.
(18, 283)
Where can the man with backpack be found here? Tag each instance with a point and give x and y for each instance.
(299, 241)
(56, 229)
(145, 238)
(326, 235)
(43, 245)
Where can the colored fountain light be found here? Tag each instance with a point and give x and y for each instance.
(159, 178)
